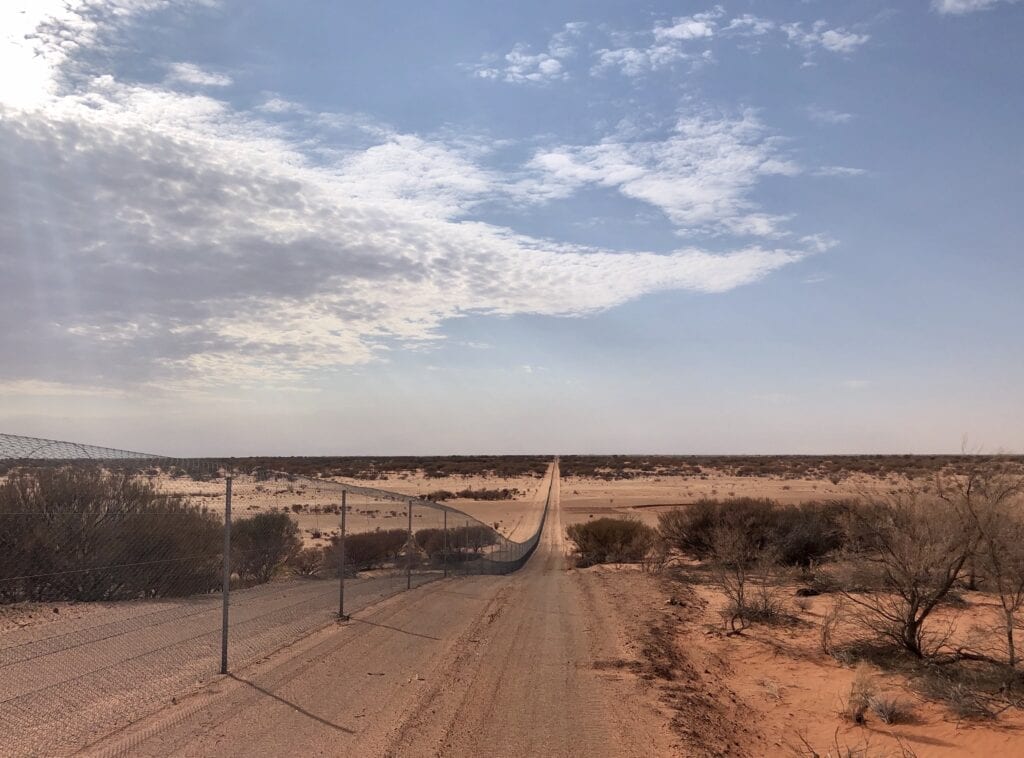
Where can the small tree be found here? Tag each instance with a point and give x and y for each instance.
(260, 545)
(989, 495)
(733, 554)
(920, 545)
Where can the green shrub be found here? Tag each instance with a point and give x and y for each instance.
(262, 544)
(611, 540)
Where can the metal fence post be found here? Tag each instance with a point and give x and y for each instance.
(226, 589)
(408, 552)
(444, 550)
(341, 560)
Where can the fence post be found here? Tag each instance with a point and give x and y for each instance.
(408, 552)
(341, 560)
(226, 589)
(444, 549)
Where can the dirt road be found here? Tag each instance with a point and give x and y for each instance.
(497, 666)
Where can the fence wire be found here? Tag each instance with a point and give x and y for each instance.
(113, 564)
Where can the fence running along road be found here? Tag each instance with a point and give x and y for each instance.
(118, 592)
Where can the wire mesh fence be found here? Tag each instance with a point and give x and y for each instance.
(127, 579)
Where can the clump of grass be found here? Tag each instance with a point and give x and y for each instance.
(891, 710)
(962, 693)
(862, 692)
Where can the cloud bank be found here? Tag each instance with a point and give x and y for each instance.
(153, 236)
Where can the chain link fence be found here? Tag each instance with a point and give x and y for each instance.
(127, 579)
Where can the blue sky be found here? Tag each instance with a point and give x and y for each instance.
(255, 227)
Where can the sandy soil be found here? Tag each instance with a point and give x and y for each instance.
(646, 497)
(778, 678)
(537, 663)
(313, 506)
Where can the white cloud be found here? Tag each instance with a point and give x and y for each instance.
(840, 171)
(190, 73)
(520, 66)
(827, 116)
(961, 7)
(677, 41)
(280, 105)
(39, 388)
(184, 244)
(700, 176)
(667, 46)
(819, 36)
(751, 25)
(633, 61)
(697, 26)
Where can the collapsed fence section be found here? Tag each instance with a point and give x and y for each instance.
(127, 580)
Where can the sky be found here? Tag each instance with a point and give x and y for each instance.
(237, 227)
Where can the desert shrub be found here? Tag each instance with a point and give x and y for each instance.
(746, 575)
(798, 535)
(920, 544)
(472, 538)
(262, 544)
(656, 558)
(692, 529)
(830, 622)
(862, 692)
(82, 533)
(432, 542)
(891, 710)
(611, 540)
(504, 493)
(803, 534)
(969, 693)
(308, 561)
(367, 550)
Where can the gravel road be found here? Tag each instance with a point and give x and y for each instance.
(496, 666)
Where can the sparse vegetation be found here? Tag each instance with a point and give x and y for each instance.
(796, 535)
(504, 493)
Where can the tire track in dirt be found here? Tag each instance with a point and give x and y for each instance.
(496, 666)
(530, 683)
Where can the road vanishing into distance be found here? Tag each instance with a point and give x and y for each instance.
(468, 666)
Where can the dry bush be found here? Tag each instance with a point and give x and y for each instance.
(891, 710)
(611, 540)
(842, 750)
(308, 561)
(830, 622)
(367, 550)
(798, 535)
(862, 691)
(262, 544)
(504, 493)
(990, 496)
(967, 694)
(656, 558)
(920, 545)
(82, 533)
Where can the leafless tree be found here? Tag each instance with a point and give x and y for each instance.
(919, 543)
(733, 553)
(989, 495)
